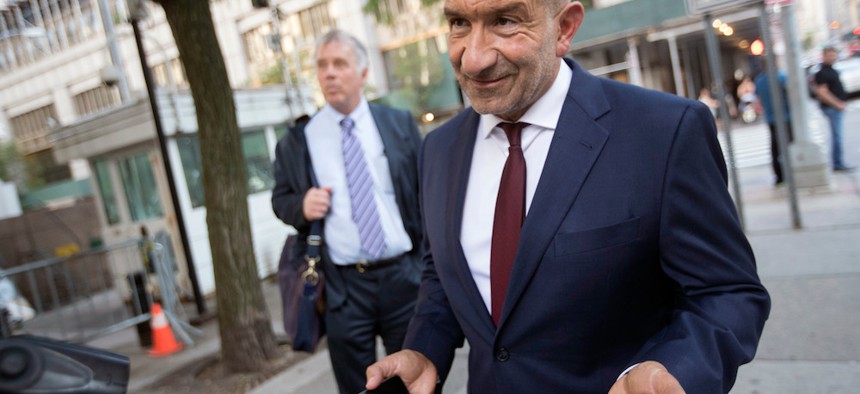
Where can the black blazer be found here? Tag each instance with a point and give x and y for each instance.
(401, 140)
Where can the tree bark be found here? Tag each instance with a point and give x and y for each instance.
(247, 339)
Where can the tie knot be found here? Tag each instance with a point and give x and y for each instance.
(346, 124)
(513, 131)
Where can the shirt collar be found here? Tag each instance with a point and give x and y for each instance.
(360, 111)
(545, 112)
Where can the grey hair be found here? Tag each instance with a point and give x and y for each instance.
(343, 37)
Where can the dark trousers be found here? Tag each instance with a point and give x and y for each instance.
(776, 161)
(380, 302)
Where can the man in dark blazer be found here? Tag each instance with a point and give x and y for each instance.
(371, 242)
(630, 271)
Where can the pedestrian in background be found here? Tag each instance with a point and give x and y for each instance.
(709, 100)
(762, 89)
(579, 231)
(832, 98)
(364, 157)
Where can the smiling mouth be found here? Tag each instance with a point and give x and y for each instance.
(486, 82)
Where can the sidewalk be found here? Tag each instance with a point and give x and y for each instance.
(811, 342)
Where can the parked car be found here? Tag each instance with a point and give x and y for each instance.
(849, 74)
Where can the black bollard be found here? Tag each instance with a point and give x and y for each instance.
(137, 283)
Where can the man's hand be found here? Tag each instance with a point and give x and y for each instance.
(649, 377)
(316, 203)
(418, 373)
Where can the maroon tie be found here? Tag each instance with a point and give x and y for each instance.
(510, 212)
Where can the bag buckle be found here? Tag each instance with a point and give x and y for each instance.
(311, 276)
(314, 240)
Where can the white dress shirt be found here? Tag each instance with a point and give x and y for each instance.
(323, 134)
(488, 161)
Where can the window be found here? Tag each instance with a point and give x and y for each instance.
(421, 77)
(280, 132)
(106, 190)
(96, 100)
(177, 72)
(141, 191)
(189, 154)
(392, 8)
(315, 21)
(257, 161)
(179, 75)
(257, 49)
(31, 128)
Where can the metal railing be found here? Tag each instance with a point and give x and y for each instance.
(90, 294)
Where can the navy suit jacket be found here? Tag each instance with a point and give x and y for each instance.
(292, 171)
(631, 251)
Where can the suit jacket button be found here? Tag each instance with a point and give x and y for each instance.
(502, 355)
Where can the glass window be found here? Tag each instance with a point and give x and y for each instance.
(315, 20)
(96, 99)
(106, 190)
(189, 154)
(421, 77)
(257, 161)
(138, 180)
(280, 132)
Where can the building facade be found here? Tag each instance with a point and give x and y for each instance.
(72, 90)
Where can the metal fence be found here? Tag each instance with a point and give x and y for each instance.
(90, 294)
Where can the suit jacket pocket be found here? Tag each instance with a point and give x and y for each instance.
(597, 238)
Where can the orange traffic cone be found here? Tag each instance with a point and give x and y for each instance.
(162, 338)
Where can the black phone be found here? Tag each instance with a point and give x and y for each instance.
(392, 385)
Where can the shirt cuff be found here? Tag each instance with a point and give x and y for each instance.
(626, 371)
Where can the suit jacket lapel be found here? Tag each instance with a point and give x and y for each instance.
(388, 132)
(460, 162)
(576, 145)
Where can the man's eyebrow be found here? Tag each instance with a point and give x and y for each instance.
(450, 12)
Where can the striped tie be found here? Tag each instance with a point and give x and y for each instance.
(360, 184)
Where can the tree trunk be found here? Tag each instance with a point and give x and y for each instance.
(247, 339)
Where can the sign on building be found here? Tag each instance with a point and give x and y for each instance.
(699, 7)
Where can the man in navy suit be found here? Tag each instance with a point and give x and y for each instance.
(629, 271)
(364, 157)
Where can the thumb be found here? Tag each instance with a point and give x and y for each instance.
(378, 372)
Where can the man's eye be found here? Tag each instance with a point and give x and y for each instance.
(457, 22)
(505, 22)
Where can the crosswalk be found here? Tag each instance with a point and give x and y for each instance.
(751, 143)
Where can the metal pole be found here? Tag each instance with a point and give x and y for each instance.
(171, 85)
(633, 62)
(676, 65)
(717, 74)
(115, 56)
(282, 59)
(798, 86)
(162, 143)
(776, 101)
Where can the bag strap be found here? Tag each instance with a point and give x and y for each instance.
(314, 240)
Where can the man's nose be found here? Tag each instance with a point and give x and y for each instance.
(325, 70)
(479, 53)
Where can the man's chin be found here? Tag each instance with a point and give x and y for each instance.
(486, 107)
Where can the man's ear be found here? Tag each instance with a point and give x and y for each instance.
(569, 20)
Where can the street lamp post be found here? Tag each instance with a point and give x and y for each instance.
(282, 60)
(115, 56)
(165, 157)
